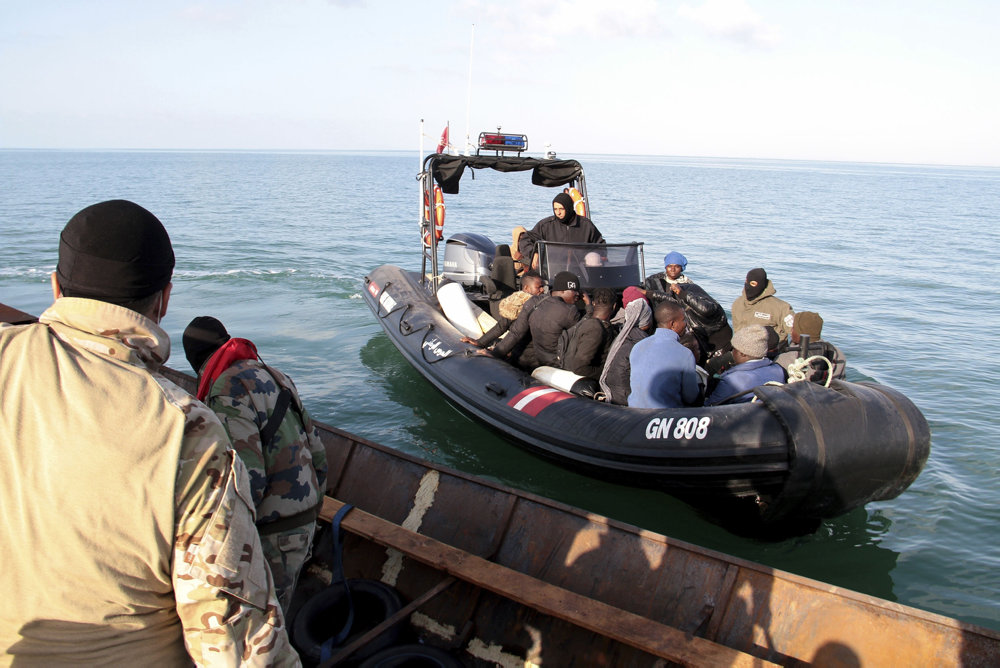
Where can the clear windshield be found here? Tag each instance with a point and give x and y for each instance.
(614, 266)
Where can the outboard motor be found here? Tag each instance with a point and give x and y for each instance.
(467, 257)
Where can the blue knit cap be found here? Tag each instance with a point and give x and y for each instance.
(673, 257)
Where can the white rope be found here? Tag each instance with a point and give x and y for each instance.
(770, 382)
(797, 369)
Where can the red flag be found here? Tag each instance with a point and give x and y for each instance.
(443, 142)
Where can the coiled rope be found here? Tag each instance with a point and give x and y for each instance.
(797, 369)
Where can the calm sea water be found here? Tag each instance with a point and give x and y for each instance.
(901, 262)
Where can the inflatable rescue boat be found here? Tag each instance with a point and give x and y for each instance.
(797, 454)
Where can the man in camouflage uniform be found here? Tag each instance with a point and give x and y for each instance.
(274, 436)
(128, 534)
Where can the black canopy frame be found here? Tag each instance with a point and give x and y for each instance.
(447, 171)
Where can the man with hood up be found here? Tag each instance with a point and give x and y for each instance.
(565, 225)
(757, 305)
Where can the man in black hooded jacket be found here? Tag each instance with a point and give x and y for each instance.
(563, 226)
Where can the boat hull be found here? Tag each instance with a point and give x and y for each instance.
(800, 453)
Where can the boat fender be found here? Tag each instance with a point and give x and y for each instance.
(567, 381)
(579, 206)
(325, 613)
(414, 654)
(467, 318)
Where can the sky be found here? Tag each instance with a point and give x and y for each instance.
(901, 81)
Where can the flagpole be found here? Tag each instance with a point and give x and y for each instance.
(468, 99)
(420, 166)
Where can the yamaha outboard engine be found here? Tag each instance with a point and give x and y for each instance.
(467, 257)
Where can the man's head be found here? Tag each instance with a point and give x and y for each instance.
(531, 282)
(674, 265)
(116, 252)
(604, 302)
(809, 323)
(755, 284)
(750, 343)
(562, 208)
(670, 315)
(202, 337)
(566, 286)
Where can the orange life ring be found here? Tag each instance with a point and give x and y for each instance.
(438, 213)
(578, 204)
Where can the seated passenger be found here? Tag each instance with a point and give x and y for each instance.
(811, 324)
(509, 308)
(635, 320)
(564, 226)
(757, 305)
(705, 316)
(663, 373)
(752, 368)
(544, 318)
(502, 280)
(588, 342)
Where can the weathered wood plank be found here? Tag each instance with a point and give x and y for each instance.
(620, 625)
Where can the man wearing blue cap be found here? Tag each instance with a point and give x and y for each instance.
(705, 316)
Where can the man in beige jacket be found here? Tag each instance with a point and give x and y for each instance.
(128, 535)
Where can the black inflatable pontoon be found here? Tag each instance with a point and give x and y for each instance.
(802, 451)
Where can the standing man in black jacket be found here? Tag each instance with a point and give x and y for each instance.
(565, 225)
(705, 316)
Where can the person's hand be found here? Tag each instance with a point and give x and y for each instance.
(675, 288)
(466, 339)
(586, 298)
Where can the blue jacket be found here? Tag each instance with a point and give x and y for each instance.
(663, 372)
(744, 377)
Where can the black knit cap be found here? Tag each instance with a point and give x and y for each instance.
(114, 251)
(202, 338)
(755, 284)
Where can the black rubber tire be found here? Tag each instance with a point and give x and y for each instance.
(414, 655)
(324, 615)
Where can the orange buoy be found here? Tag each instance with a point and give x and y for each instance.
(579, 206)
(438, 213)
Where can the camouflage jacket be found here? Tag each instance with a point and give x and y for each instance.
(128, 535)
(288, 476)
